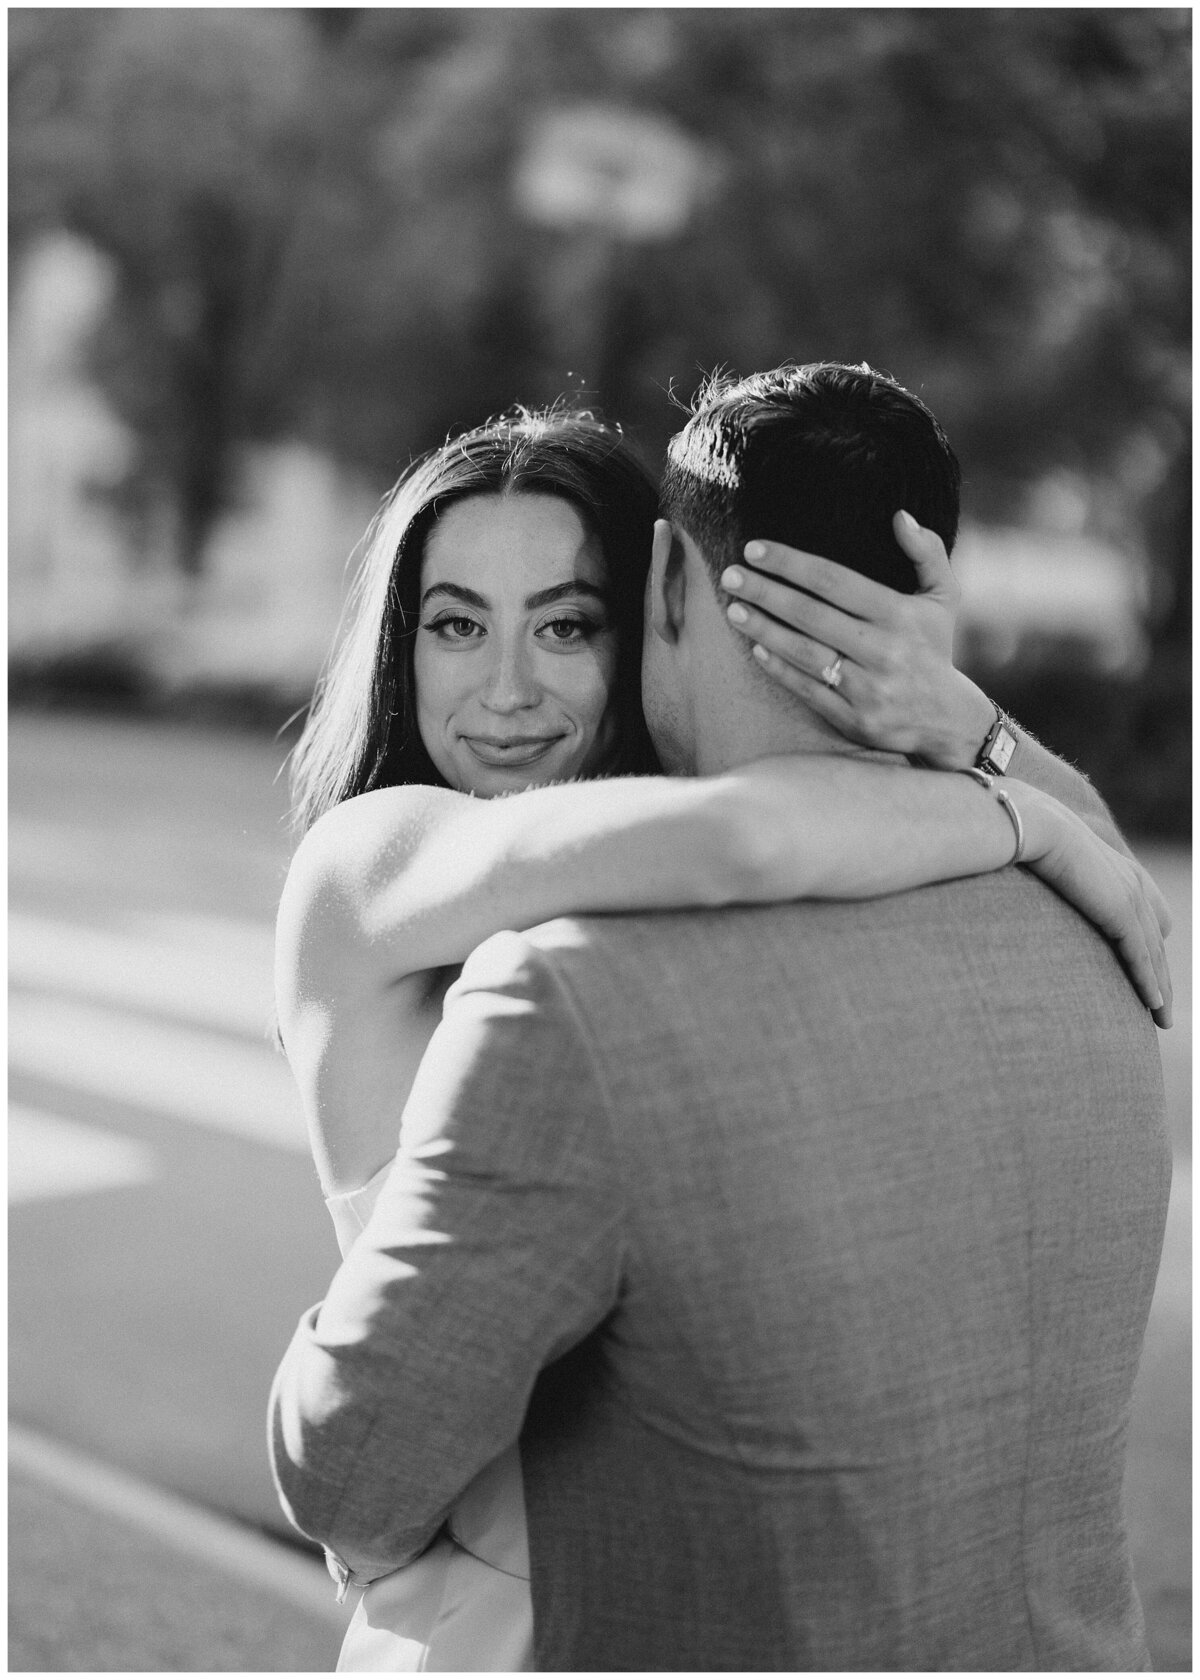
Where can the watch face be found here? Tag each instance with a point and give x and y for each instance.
(999, 750)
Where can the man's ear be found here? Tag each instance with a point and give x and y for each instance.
(667, 583)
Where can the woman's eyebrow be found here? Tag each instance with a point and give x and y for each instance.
(542, 598)
(561, 591)
(456, 592)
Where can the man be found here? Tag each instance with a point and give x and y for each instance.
(813, 1244)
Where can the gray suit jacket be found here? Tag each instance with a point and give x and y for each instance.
(831, 1231)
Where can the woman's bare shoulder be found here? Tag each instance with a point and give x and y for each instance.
(353, 843)
(343, 856)
(383, 817)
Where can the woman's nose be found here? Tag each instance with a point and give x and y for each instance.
(510, 686)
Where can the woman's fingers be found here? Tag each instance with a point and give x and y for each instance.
(1155, 922)
(802, 652)
(1111, 890)
(1147, 962)
(1137, 933)
(1164, 1012)
(1155, 931)
(860, 596)
(814, 619)
(1157, 902)
(1139, 964)
(928, 554)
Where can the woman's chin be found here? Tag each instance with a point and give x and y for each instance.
(497, 782)
(487, 770)
(489, 781)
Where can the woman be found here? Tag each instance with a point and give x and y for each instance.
(494, 649)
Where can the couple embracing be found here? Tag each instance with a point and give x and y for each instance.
(750, 1187)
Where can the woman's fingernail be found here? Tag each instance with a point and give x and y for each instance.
(737, 613)
(754, 551)
(731, 578)
(908, 521)
(760, 653)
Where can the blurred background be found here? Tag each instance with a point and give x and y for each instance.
(262, 258)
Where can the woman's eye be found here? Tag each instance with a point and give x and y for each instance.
(570, 629)
(455, 628)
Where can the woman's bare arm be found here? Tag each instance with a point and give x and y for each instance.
(391, 887)
(405, 880)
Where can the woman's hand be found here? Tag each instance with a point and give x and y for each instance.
(1110, 889)
(895, 687)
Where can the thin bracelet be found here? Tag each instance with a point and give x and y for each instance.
(1002, 798)
(1015, 819)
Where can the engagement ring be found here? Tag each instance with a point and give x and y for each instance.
(831, 676)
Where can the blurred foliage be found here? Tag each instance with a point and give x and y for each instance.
(314, 226)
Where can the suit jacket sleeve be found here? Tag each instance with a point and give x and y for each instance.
(494, 1246)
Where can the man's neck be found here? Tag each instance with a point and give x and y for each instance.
(737, 713)
(766, 733)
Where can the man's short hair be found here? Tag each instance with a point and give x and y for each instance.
(821, 457)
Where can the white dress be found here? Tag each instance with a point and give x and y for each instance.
(464, 1605)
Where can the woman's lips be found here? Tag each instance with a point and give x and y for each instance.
(517, 750)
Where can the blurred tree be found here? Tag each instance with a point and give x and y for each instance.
(172, 139)
(993, 204)
(315, 225)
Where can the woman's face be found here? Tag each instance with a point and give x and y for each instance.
(515, 657)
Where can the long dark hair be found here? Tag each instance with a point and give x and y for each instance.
(361, 731)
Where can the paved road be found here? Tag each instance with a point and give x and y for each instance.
(108, 1574)
(166, 1227)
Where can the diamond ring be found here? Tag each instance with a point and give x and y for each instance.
(831, 676)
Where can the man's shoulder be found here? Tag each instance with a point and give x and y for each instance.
(598, 942)
(525, 972)
(893, 1003)
(582, 972)
(1004, 928)
(529, 954)
(608, 945)
(569, 942)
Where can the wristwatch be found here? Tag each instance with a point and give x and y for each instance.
(995, 754)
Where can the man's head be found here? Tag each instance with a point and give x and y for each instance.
(820, 457)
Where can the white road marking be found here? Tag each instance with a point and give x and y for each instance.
(216, 977)
(182, 1072)
(219, 1544)
(48, 1156)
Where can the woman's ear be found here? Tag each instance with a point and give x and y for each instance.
(666, 585)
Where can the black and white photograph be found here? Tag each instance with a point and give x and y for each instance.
(600, 786)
